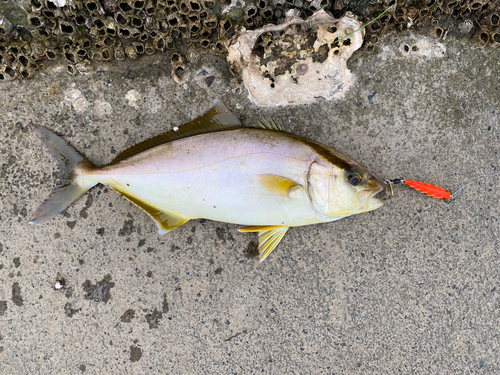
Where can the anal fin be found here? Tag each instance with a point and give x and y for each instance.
(165, 220)
(269, 237)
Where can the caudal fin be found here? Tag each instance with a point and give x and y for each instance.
(70, 187)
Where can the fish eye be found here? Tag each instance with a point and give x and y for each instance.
(355, 178)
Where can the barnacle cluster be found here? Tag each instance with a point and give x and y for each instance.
(84, 33)
(88, 32)
(479, 19)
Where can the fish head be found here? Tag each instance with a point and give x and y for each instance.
(341, 187)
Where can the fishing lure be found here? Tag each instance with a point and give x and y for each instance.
(432, 191)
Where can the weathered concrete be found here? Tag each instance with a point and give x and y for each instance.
(410, 288)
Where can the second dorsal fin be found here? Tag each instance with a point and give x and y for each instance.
(218, 117)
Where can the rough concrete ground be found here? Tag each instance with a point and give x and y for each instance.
(410, 288)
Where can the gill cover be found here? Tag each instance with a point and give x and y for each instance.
(336, 193)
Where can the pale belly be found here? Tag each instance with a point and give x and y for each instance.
(213, 176)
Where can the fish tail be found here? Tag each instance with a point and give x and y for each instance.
(73, 168)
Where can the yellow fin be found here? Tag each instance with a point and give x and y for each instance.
(278, 185)
(269, 237)
(218, 118)
(259, 228)
(165, 220)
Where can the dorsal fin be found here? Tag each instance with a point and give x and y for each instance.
(218, 117)
(269, 124)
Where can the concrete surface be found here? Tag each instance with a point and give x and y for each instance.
(410, 288)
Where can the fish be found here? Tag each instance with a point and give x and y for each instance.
(216, 168)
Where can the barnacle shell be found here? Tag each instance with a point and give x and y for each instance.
(24, 60)
(139, 48)
(495, 39)
(284, 80)
(119, 54)
(465, 26)
(125, 6)
(149, 49)
(84, 67)
(481, 38)
(53, 54)
(96, 56)
(205, 43)
(131, 52)
(9, 73)
(180, 73)
(159, 44)
(176, 59)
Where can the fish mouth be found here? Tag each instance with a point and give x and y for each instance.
(369, 200)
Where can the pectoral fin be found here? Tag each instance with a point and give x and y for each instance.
(165, 220)
(278, 185)
(269, 238)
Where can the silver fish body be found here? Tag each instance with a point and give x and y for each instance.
(215, 168)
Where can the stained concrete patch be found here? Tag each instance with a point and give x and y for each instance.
(89, 201)
(61, 285)
(68, 291)
(153, 319)
(128, 228)
(17, 262)
(100, 291)
(164, 305)
(252, 250)
(83, 213)
(3, 307)
(68, 309)
(16, 294)
(128, 316)
(135, 353)
(223, 235)
(82, 368)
